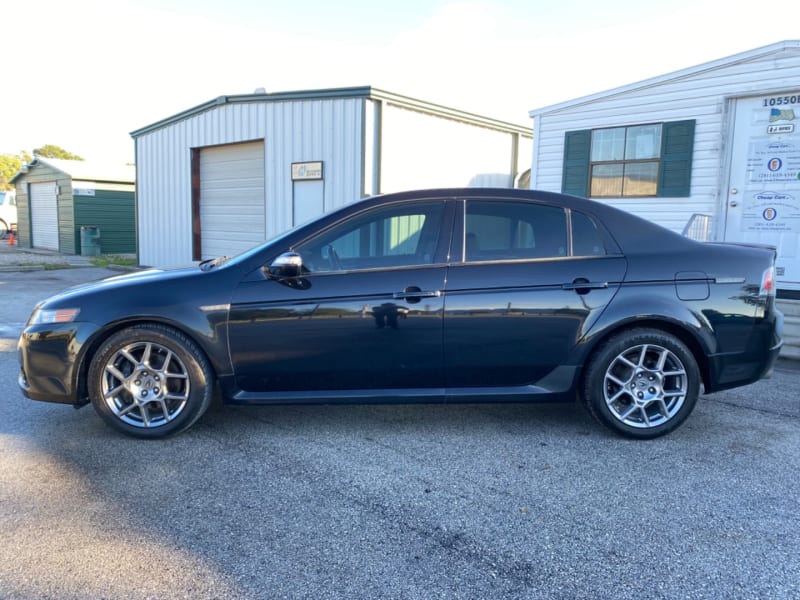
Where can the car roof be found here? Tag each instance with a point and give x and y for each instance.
(629, 230)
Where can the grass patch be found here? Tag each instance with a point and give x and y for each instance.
(106, 260)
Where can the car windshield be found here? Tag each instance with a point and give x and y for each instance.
(248, 254)
(211, 263)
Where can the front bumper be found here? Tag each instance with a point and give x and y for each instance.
(50, 361)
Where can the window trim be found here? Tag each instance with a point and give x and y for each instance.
(460, 233)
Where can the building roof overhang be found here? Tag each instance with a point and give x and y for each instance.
(791, 47)
(365, 92)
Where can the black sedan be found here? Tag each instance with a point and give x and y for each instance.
(457, 295)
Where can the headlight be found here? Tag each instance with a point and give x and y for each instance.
(43, 316)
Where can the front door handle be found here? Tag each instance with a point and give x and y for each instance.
(413, 294)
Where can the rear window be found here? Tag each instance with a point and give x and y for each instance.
(586, 239)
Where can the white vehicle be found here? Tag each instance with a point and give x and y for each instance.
(8, 212)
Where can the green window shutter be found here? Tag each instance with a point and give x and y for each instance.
(675, 174)
(577, 148)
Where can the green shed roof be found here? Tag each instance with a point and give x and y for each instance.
(84, 170)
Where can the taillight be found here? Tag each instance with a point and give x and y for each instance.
(768, 282)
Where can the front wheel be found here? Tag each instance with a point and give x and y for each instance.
(150, 381)
(3, 229)
(642, 383)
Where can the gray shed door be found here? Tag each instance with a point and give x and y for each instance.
(44, 215)
(232, 202)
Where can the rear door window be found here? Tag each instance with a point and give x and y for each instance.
(513, 231)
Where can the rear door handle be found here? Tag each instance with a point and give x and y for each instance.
(583, 286)
(413, 294)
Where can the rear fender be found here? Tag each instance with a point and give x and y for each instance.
(665, 312)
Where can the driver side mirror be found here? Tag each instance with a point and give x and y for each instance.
(288, 264)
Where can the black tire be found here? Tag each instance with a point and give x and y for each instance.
(150, 381)
(641, 383)
(3, 229)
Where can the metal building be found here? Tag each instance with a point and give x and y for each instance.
(225, 175)
(56, 198)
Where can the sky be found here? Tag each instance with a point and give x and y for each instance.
(83, 74)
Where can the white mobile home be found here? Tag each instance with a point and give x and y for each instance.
(226, 175)
(717, 145)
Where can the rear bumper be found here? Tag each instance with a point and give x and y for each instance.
(756, 362)
(777, 344)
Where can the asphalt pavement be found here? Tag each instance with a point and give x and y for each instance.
(476, 501)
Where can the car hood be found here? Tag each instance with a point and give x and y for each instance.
(116, 282)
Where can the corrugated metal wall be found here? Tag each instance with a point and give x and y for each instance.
(113, 212)
(702, 96)
(421, 151)
(329, 130)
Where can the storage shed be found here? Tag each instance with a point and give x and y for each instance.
(713, 150)
(228, 174)
(57, 198)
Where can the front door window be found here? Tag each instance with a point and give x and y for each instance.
(398, 236)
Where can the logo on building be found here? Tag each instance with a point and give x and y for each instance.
(773, 197)
(777, 114)
(769, 214)
(782, 128)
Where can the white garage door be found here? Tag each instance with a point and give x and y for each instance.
(232, 203)
(44, 215)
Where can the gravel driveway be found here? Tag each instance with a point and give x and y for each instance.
(16, 258)
(473, 501)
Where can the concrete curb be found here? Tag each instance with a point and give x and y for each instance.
(15, 268)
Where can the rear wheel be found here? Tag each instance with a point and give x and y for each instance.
(150, 381)
(642, 383)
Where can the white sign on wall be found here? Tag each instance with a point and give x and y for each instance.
(83, 188)
(773, 161)
(771, 212)
(304, 171)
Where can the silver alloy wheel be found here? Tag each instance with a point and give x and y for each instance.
(645, 386)
(145, 385)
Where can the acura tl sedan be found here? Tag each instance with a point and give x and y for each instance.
(456, 295)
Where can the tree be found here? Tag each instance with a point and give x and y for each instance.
(10, 164)
(53, 151)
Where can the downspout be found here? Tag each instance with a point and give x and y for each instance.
(535, 157)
